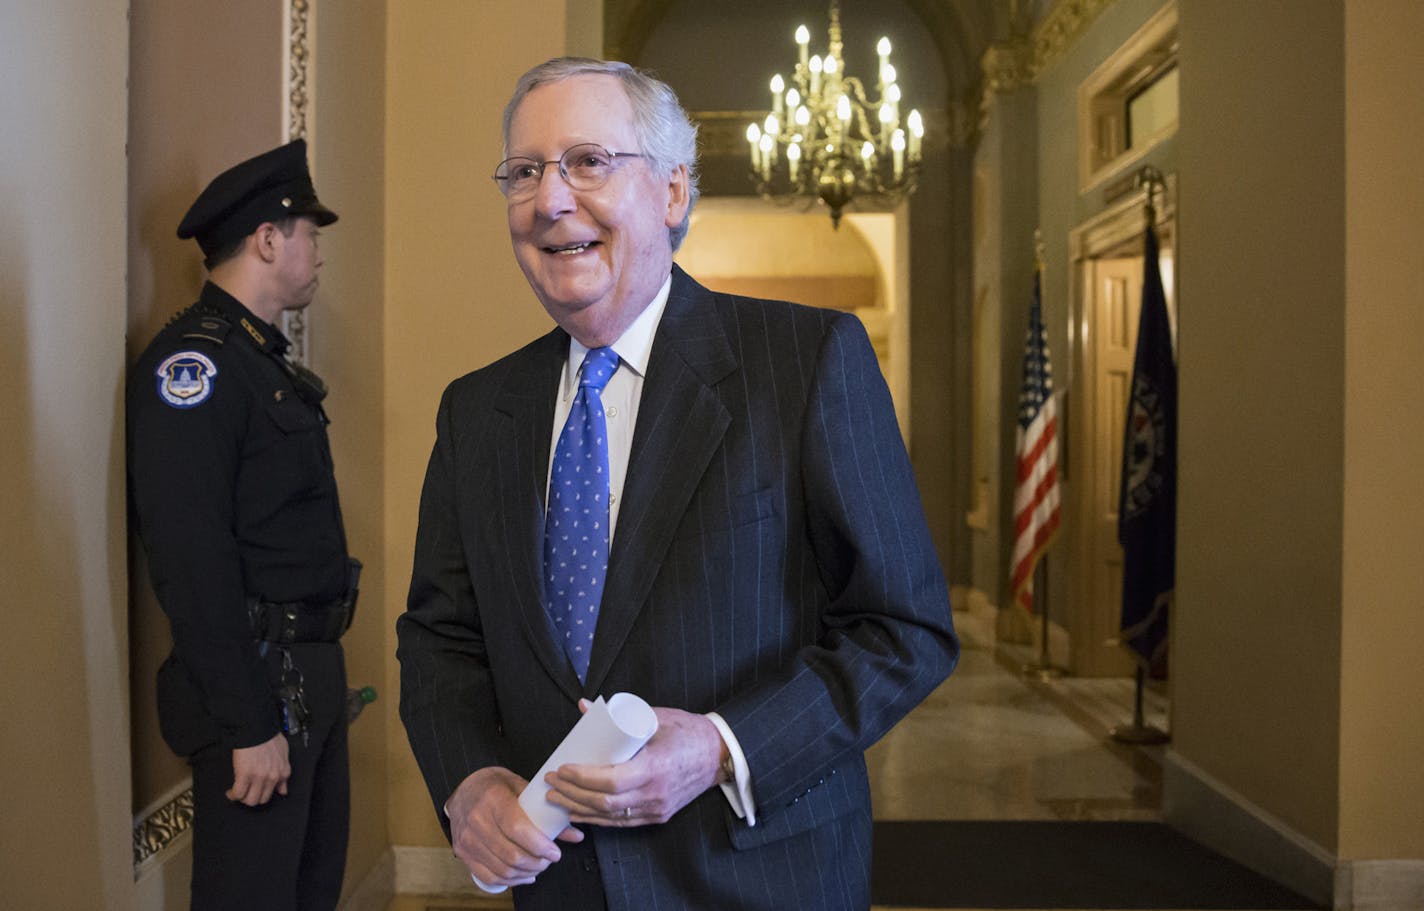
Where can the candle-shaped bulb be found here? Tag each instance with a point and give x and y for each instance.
(754, 140)
(882, 47)
(917, 134)
(888, 74)
(803, 35)
(803, 116)
(897, 145)
(815, 64)
(830, 65)
(772, 126)
(887, 114)
(843, 109)
(778, 85)
(867, 154)
(793, 98)
(892, 93)
(793, 159)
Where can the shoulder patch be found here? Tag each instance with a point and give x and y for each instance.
(185, 379)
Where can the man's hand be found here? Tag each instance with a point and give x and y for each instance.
(675, 767)
(493, 836)
(260, 770)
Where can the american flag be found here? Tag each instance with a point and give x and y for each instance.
(1036, 511)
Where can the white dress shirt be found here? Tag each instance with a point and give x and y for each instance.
(620, 407)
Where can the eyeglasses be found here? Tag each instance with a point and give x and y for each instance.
(584, 167)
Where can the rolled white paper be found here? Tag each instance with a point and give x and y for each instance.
(610, 732)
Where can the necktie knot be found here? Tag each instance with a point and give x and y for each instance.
(598, 368)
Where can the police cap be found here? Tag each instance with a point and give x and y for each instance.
(273, 186)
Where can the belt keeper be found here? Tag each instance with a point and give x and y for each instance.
(289, 625)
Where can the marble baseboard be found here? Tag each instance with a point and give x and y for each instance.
(1379, 885)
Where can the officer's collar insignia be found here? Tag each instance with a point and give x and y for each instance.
(252, 331)
(185, 379)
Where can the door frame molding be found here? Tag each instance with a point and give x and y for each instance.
(1114, 232)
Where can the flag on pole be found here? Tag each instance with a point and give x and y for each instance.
(1147, 504)
(1036, 511)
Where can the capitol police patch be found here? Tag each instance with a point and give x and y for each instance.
(185, 379)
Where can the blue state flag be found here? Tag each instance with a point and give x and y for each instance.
(1147, 504)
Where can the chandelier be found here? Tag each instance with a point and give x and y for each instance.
(825, 139)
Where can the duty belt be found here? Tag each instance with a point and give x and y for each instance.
(300, 621)
(304, 621)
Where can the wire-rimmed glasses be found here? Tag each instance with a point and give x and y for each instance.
(585, 166)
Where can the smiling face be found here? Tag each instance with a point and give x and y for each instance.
(595, 258)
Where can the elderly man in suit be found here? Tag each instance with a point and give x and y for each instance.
(697, 498)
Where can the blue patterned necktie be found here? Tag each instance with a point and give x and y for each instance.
(576, 526)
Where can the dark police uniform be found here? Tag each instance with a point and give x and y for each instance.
(233, 488)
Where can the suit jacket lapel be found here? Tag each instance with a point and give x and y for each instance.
(522, 452)
(681, 421)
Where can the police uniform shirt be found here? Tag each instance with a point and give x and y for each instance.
(235, 495)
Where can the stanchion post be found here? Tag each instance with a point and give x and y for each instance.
(1044, 669)
(1139, 732)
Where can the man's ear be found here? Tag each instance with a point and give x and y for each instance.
(679, 195)
(264, 241)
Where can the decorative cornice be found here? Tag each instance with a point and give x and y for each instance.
(1014, 64)
(1061, 28)
(154, 832)
(1007, 65)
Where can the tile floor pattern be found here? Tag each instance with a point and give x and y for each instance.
(993, 743)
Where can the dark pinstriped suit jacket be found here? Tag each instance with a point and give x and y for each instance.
(771, 563)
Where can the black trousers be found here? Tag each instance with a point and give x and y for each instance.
(290, 853)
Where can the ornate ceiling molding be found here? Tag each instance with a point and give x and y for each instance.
(1061, 27)
(1012, 65)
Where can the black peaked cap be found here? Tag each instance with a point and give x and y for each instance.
(270, 187)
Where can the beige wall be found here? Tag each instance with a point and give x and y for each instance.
(64, 828)
(1256, 641)
(345, 329)
(1382, 717)
(456, 299)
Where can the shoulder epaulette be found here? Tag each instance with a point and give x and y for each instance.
(206, 323)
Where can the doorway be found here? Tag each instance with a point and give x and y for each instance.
(748, 246)
(1106, 258)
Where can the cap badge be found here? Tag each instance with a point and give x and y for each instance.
(286, 202)
(185, 379)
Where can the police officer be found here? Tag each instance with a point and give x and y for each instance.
(232, 484)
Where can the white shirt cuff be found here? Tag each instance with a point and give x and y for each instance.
(739, 791)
